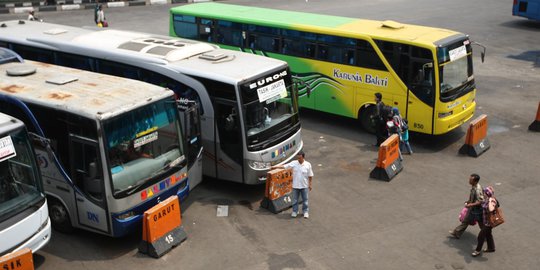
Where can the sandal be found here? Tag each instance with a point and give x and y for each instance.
(475, 253)
(488, 250)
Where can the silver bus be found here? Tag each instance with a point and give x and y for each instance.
(108, 148)
(247, 103)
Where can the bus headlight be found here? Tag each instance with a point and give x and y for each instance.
(126, 215)
(443, 115)
(259, 165)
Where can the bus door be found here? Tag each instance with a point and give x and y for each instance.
(87, 175)
(229, 150)
(191, 126)
(421, 97)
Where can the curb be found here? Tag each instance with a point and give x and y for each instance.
(65, 5)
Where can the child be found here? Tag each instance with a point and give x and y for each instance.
(393, 126)
(404, 134)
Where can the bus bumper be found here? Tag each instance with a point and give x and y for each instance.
(40, 239)
(125, 226)
(287, 151)
(448, 124)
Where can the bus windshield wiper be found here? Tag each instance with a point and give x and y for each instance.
(161, 171)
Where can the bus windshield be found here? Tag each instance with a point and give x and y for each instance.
(143, 145)
(456, 73)
(19, 179)
(269, 112)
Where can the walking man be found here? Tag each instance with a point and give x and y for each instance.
(302, 175)
(476, 198)
(379, 120)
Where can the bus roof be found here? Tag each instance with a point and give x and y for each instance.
(182, 55)
(325, 24)
(84, 93)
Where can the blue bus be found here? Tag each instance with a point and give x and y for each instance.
(529, 9)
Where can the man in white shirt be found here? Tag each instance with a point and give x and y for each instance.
(302, 175)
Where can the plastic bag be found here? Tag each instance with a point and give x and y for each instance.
(463, 216)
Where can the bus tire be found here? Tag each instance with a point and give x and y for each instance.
(364, 116)
(59, 215)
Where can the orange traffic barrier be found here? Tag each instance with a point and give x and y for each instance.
(476, 141)
(18, 260)
(162, 228)
(277, 195)
(535, 126)
(388, 162)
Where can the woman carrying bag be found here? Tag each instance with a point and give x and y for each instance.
(489, 205)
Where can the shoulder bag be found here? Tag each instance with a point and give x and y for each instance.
(495, 217)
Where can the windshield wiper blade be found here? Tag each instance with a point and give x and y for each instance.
(136, 187)
(161, 171)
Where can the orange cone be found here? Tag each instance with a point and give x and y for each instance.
(535, 126)
(476, 141)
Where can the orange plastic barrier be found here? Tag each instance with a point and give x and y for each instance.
(535, 126)
(388, 163)
(277, 195)
(162, 228)
(19, 260)
(476, 141)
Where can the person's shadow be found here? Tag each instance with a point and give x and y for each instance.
(465, 245)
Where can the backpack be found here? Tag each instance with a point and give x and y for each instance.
(404, 124)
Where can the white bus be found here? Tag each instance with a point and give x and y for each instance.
(108, 148)
(24, 217)
(248, 107)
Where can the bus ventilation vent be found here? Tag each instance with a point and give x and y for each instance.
(21, 70)
(213, 56)
(174, 43)
(62, 79)
(392, 24)
(55, 31)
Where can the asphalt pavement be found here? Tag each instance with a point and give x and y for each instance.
(357, 222)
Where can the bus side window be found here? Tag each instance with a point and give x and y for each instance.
(309, 50)
(112, 68)
(33, 53)
(230, 33)
(185, 26)
(74, 61)
(252, 40)
(422, 82)
(335, 55)
(86, 168)
(351, 59)
(367, 57)
(180, 90)
(322, 52)
(205, 30)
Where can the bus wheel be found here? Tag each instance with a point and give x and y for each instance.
(365, 118)
(59, 216)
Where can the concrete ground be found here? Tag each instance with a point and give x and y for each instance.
(357, 222)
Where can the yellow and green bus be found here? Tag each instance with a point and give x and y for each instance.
(426, 72)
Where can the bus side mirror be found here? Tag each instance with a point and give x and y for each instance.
(298, 82)
(483, 52)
